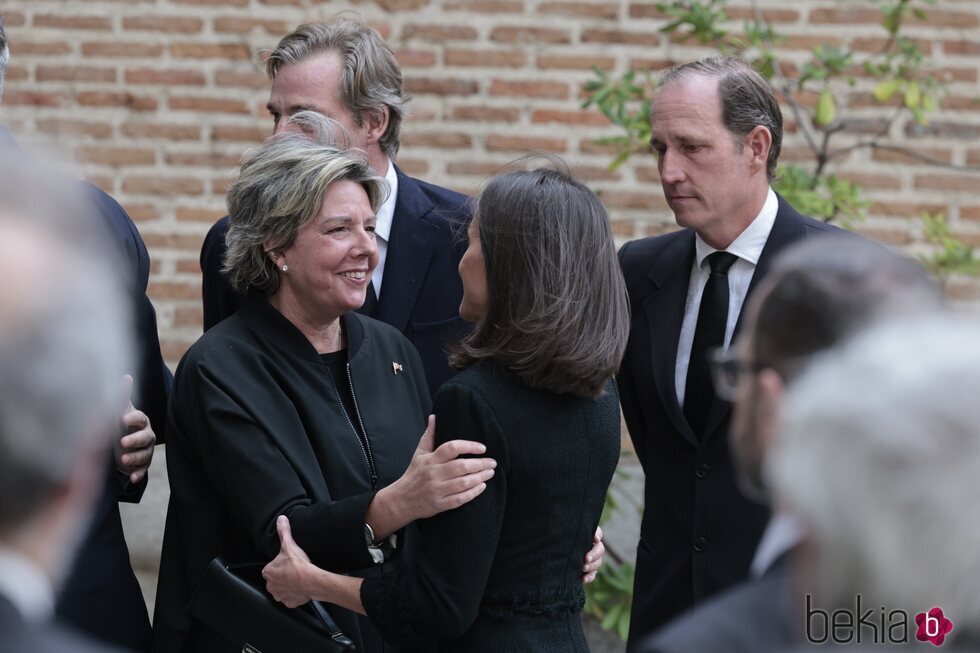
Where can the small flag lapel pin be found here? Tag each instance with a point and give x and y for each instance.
(396, 367)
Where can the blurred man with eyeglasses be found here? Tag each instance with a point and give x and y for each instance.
(818, 294)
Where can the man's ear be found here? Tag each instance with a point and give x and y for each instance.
(758, 142)
(376, 123)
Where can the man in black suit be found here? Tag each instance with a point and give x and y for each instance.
(344, 70)
(65, 341)
(101, 595)
(717, 131)
(819, 293)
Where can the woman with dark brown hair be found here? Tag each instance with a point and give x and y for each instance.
(502, 573)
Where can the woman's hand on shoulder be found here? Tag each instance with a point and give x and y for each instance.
(287, 576)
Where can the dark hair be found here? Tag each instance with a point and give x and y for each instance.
(747, 100)
(825, 290)
(558, 314)
(370, 77)
(4, 53)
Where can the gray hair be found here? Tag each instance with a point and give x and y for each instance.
(824, 289)
(747, 100)
(280, 190)
(65, 338)
(879, 450)
(371, 77)
(558, 314)
(4, 54)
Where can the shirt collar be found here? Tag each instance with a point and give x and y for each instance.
(750, 243)
(784, 532)
(26, 585)
(386, 212)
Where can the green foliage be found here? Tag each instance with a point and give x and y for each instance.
(610, 597)
(822, 196)
(626, 104)
(953, 256)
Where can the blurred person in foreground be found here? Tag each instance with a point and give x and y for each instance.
(297, 405)
(101, 595)
(501, 573)
(878, 453)
(65, 342)
(818, 294)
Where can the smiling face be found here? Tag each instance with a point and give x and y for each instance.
(473, 272)
(713, 180)
(331, 260)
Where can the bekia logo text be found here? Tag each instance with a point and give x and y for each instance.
(875, 626)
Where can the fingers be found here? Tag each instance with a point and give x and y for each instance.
(134, 420)
(456, 448)
(598, 535)
(429, 436)
(588, 578)
(128, 388)
(461, 498)
(285, 531)
(138, 440)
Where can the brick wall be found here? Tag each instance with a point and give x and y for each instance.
(156, 100)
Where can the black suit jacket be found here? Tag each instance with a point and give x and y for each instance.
(19, 636)
(421, 292)
(698, 532)
(101, 596)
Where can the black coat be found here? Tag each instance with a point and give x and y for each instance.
(503, 572)
(421, 292)
(698, 532)
(20, 636)
(256, 430)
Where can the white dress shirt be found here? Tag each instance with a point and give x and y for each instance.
(26, 585)
(748, 248)
(382, 229)
(784, 532)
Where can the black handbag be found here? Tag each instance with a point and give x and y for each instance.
(232, 601)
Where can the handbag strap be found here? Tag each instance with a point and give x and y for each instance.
(312, 607)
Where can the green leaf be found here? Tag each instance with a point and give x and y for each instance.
(826, 109)
(886, 89)
(913, 95)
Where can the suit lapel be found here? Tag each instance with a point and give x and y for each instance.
(664, 308)
(410, 247)
(786, 230)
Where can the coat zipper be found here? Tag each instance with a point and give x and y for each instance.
(363, 441)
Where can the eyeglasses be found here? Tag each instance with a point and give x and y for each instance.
(727, 369)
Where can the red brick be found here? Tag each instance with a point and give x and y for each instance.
(241, 78)
(203, 159)
(414, 167)
(192, 316)
(244, 24)
(949, 181)
(530, 88)
(188, 266)
(808, 42)
(424, 85)
(129, 50)
(960, 103)
(590, 174)
(208, 104)
(572, 62)
(496, 142)
(485, 58)
(116, 156)
(483, 113)
(962, 47)
(157, 185)
(117, 99)
(646, 10)
(61, 21)
(168, 77)
(845, 16)
(172, 24)
(569, 117)
(584, 9)
(12, 98)
(942, 18)
(402, 5)
(438, 33)
(234, 3)
(633, 200)
(173, 290)
(40, 48)
(228, 51)
(486, 6)
(904, 209)
(592, 147)
(230, 133)
(941, 154)
(619, 36)
(17, 73)
(196, 214)
(220, 185)
(440, 139)
(768, 15)
(14, 19)
(956, 74)
(532, 35)
(888, 235)
(966, 290)
(166, 131)
(876, 44)
(970, 212)
(173, 349)
(75, 74)
(652, 64)
(973, 158)
(943, 128)
(868, 180)
(73, 127)
(476, 168)
(415, 58)
(141, 212)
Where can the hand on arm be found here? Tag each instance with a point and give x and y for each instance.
(134, 449)
(593, 559)
(436, 480)
(293, 580)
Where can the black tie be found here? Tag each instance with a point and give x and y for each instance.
(370, 307)
(709, 334)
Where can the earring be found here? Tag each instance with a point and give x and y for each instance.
(285, 268)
